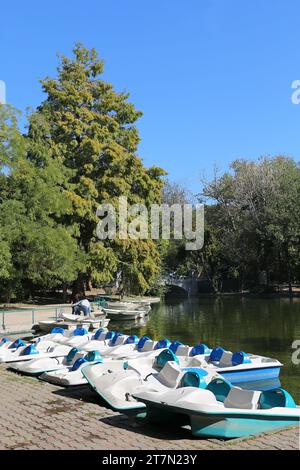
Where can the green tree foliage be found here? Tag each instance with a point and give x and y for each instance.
(90, 128)
(255, 220)
(35, 251)
(252, 226)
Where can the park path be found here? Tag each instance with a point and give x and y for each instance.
(37, 415)
(22, 319)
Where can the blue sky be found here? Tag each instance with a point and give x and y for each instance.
(213, 77)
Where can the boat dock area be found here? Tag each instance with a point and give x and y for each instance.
(38, 415)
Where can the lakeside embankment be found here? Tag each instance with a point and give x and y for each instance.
(38, 415)
(20, 317)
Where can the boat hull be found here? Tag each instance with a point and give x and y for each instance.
(251, 375)
(233, 427)
(220, 426)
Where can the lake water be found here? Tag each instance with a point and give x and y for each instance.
(262, 326)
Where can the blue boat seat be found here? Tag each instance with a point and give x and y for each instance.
(133, 339)
(121, 339)
(109, 335)
(142, 342)
(114, 338)
(163, 343)
(165, 356)
(276, 398)
(71, 354)
(30, 349)
(4, 340)
(200, 348)
(240, 357)
(80, 332)
(220, 388)
(93, 356)
(193, 378)
(243, 399)
(78, 363)
(175, 345)
(216, 354)
(98, 334)
(17, 344)
(57, 330)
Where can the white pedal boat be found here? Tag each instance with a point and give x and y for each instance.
(69, 317)
(108, 342)
(78, 337)
(128, 306)
(123, 347)
(73, 338)
(68, 377)
(81, 338)
(71, 375)
(5, 343)
(238, 367)
(119, 384)
(158, 373)
(221, 410)
(48, 325)
(25, 352)
(125, 314)
(119, 346)
(38, 365)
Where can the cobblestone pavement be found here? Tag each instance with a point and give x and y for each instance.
(37, 415)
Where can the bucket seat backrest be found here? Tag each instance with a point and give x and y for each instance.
(169, 374)
(183, 350)
(276, 398)
(220, 388)
(194, 377)
(244, 399)
(226, 359)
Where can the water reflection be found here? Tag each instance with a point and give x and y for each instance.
(129, 324)
(262, 326)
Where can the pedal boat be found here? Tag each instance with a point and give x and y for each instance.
(40, 364)
(20, 351)
(37, 365)
(71, 375)
(115, 314)
(221, 410)
(238, 367)
(115, 385)
(72, 338)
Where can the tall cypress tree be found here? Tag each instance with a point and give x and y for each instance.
(91, 129)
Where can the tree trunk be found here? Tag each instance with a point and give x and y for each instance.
(89, 282)
(78, 285)
(215, 285)
(8, 295)
(289, 270)
(65, 292)
(290, 280)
